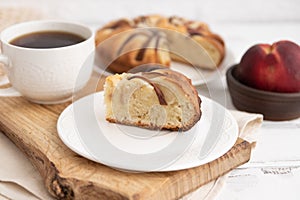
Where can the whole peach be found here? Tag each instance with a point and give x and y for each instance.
(273, 67)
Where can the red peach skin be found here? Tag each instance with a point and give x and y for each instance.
(273, 68)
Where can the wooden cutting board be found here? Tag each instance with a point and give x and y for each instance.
(67, 175)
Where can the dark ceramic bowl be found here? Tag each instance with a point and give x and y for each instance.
(274, 106)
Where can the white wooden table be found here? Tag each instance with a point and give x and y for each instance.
(274, 169)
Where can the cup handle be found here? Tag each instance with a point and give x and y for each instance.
(6, 92)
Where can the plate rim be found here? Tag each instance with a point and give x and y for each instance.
(224, 65)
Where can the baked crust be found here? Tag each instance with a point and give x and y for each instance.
(177, 100)
(152, 46)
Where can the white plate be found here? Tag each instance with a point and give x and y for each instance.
(83, 128)
(197, 75)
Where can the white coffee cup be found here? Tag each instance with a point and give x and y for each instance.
(51, 75)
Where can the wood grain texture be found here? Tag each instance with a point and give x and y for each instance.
(67, 175)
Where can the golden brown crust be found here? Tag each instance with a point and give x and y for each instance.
(191, 92)
(152, 127)
(147, 20)
(172, 24)
(111, 29)
(159, 79)
(196, 30)
(215, 46)
(120, 66)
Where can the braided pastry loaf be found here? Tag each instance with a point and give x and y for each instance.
(157, 39)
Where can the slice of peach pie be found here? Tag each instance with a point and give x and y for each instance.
(157, 99)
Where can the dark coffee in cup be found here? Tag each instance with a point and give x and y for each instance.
(47, 39)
